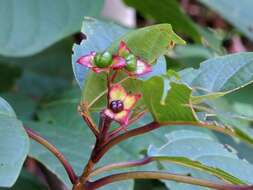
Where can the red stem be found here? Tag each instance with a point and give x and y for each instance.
(152, 126)
(165, 176)
(120, 165)
(144, 129)
(108, 88)
(91, 125)
(114, 75)
(33, 135)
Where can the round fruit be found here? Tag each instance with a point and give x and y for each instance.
(103, 60)
(116, 106)
(131, 63)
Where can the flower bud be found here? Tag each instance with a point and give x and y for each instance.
(131, 63)
(103, 60)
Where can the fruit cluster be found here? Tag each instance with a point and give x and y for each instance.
(125, 59)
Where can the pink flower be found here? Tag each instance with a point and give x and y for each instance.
(141, 66)
(88, 61)
(121, 104)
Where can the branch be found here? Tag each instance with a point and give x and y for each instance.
(82, 109)
(119, 165)
(138, 131)
(165, 176)
(155, 125)
(33, 135)
(108, 83)
(104, 125)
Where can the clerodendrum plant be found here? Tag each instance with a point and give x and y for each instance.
(123, 78)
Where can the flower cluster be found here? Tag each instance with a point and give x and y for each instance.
(120, 103)
(131, 64)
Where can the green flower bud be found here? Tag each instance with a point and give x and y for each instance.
(131, 63)
(103, 60)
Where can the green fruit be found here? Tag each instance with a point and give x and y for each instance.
(103, 60)
(131, 63)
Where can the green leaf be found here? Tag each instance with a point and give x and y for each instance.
(221, 74)
(175, 106)
(45, 72)
(24, 105)
(150, 42)
(191, 149)
(236, 114)
(210, 96)
(195, 165)
(6, 109)
(241, 16)
(189, 56)
(167, 11)
(35, 25)
(14, 144)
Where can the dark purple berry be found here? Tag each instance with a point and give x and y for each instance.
(116, 106)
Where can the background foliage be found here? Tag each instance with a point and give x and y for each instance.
(37, 81)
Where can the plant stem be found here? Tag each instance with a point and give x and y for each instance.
(86, 117)
(144, 129)
(128, 164)
(114, 75)
(108, 88)
(155, 125)
(33, 135)
(165, 176)
(104, 125)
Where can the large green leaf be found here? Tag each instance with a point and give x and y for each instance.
(24, 105)
(28, 26)
(44, 72)
(150, 42)
(221, 74)
(175, 106)
(202, 150)
(167, 11)
(14, 144)
(241, 15)
(156, 155)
